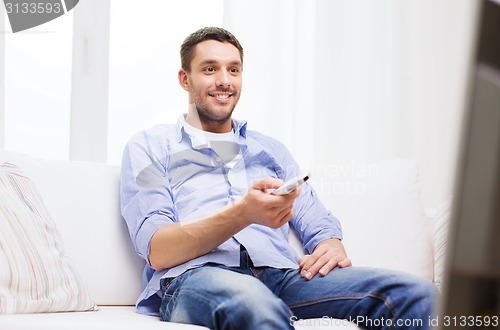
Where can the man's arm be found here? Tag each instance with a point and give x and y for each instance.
(176, 243)
(318, 229)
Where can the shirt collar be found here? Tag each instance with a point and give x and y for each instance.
(240, 127)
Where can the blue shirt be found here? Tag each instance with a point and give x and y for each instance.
(168, 176)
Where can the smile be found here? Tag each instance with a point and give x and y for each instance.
(220, 96)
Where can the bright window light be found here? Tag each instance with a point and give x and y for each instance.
(144, 61)
(38, 88)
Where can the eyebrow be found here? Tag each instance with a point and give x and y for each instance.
(209, 61)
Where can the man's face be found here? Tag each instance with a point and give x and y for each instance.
(214, 83)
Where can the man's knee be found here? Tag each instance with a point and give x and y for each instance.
(424, 293)
(219, 283)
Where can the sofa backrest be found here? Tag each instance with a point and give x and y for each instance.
(379, 206)
(83, 200)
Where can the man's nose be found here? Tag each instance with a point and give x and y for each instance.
(223, 78)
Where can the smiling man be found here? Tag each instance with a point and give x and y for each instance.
(195, 196)
(212, 76)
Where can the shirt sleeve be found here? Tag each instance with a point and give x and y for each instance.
(311, 220)
(145, 195)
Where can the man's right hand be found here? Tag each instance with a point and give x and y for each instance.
(260, 207)
(176, 243)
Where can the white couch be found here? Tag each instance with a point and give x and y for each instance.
(379, 206)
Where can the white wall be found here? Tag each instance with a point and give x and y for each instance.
(341, 83)
(278, 95)
(344, 83)
(395, 84)
(144, 61)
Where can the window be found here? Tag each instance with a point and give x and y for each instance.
(38, 88)
(144, 61)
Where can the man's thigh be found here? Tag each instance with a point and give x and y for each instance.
(213, 295)
(354, 292)
(204, 288)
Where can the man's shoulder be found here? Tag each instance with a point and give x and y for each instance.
(264, 140)
(156, 132)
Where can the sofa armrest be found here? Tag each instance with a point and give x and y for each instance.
(440, 219)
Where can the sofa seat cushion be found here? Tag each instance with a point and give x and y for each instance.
(107, 317)
(126, 318)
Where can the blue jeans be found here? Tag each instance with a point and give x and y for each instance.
(249, 297)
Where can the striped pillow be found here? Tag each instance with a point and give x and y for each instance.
(35, 275)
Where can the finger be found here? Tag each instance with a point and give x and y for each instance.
(331, 264)
(284, 210)
(284, 216)
(267, 183)
(292, 195)
(308, 261)
(324, 261)
(312, 264)
(345, 263)
(285, 200)
(306, 274)
(286, 213)
(303, 260)
(287, 217)
(304, 271)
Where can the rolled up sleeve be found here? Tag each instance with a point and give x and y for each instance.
(145, 195)
(312, 221)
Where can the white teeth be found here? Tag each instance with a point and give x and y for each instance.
(224, 96)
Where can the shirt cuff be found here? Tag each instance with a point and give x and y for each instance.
(149, 227)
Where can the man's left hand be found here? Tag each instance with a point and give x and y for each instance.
(327, 255)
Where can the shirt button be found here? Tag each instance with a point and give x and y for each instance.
(217, 160)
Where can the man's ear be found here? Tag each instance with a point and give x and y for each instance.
(183, 79)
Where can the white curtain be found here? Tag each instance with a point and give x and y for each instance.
(345, 83)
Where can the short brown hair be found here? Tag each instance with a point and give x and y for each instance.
(206, 33)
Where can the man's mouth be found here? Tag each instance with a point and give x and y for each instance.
(220, 95)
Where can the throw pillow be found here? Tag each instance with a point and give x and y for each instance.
(35, 274)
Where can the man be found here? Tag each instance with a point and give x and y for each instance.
(196, 198)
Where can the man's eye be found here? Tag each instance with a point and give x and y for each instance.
(234, 70)
(210, 69)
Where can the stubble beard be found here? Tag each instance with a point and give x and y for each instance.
(211, 117)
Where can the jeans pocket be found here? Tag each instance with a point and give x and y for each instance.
(166, 306)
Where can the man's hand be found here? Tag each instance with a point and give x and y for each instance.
(259, 206)
(326, 256)
(176, 243)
